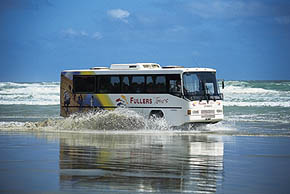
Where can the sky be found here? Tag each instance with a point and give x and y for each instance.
(241, 39)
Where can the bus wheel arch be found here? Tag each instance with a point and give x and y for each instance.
(156, 114)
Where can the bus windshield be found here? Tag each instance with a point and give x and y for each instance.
(201, 86)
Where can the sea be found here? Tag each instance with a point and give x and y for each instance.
(121, 151)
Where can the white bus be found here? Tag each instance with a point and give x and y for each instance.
(177, 94)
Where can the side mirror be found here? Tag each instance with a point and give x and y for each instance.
(223, 83)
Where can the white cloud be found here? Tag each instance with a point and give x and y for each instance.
(97, 36)
(119, 14)
(83, 33)
(71, 33)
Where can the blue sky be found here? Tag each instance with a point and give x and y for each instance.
(242, 39)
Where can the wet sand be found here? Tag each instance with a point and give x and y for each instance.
(128, 162)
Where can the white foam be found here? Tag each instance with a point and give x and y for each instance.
(11, 124)
(236, 93)
(119, 119)
(29, 93)
(241, 94)
(246, 90)
(257, 104)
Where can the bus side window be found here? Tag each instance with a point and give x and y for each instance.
(149, 84)
(160, 84)
(156, 84)
(115, 84)
(174, 84)
(125, 84)
(138, 84)
(103, 84)
(109, 84)
(84, 84)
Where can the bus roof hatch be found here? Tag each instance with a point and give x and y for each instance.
(135, 66)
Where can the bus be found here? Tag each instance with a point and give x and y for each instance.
(179, 95)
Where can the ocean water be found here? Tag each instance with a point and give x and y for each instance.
(250, 108)
(122, 152)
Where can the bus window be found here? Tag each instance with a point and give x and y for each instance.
(104, 84)
(149, 84)
(115, 84)
(160, 84)
(125, 84)
(109, 84)
(137, 84)
(84, 84)
(191, 84)
(156, 84)
(174, 84)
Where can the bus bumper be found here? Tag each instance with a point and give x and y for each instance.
(211, 119)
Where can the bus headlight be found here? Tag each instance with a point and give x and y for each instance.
(192, 112)
(219, 111)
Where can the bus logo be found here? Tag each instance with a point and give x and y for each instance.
(122, 102)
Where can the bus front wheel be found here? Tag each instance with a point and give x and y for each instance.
(154, 114)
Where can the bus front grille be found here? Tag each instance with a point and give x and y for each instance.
(207, 114)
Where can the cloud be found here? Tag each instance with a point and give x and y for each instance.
(71, 33)
(97, 36)
(119, 14)
(83, 33)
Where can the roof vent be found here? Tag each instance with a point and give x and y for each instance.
(98, 68)
(135, 66)
(172, 67)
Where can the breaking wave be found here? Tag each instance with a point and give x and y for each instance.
(236, 93)
(42, 93)
(257, 93)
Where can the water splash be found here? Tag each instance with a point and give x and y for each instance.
(102, 120)
(119, 120)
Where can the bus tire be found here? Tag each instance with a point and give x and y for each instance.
(156, 114)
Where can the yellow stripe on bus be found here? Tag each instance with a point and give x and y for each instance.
(105, 100)
(87, 73)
